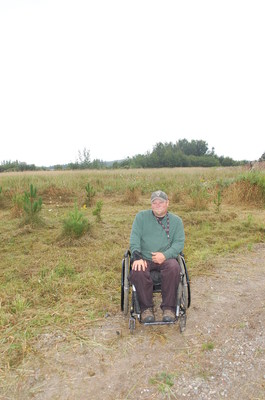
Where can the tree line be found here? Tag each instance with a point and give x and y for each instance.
(183, 153)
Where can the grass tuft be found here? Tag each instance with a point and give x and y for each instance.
(208, 346)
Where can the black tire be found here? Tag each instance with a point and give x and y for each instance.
(183, 296)
(125, 285)
(122, 285)
(187, 280)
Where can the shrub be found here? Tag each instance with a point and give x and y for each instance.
(75, 225)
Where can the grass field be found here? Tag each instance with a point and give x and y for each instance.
(50, 280)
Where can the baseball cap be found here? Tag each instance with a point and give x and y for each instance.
(159, 195)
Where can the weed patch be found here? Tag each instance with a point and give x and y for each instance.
(198, 197)
(247, 189)
(164, 383)
(132, 195)
(208, 346)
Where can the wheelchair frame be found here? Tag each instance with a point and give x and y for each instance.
(127, 289)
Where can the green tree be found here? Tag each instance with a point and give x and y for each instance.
(195, 147)
(262, 158)
(83, 158)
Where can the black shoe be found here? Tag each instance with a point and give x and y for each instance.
(147, 316)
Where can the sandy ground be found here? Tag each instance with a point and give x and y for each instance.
(220, 355)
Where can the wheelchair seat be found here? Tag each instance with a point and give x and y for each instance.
(156, 278)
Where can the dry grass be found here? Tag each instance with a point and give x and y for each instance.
(244, 192)
(49, 282)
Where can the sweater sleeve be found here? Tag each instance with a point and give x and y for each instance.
(177, 241)
(135, 238)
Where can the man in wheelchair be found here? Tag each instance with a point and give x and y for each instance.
(157, 238)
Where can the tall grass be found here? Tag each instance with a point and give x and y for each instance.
(47, 283)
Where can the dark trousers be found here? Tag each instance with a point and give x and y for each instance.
(170, 276)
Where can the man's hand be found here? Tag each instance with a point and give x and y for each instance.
(139, 265)
(158, 258)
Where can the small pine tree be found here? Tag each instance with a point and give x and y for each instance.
(218, 201)
(75, 225)
(97, 211)
(90, 193)
(32, 205)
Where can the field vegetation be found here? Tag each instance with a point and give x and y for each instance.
(61, 271)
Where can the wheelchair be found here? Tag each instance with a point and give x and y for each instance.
(129, 294)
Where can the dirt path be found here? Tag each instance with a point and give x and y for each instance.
(220, 355)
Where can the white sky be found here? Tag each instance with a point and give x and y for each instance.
(117, 77)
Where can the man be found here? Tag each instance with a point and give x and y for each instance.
(157, 237)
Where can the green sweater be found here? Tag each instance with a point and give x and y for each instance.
(148, 235)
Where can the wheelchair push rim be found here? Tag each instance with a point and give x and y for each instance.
(125, 284)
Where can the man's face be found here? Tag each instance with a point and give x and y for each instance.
(159, 207)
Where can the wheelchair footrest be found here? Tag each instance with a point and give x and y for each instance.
(159, 323)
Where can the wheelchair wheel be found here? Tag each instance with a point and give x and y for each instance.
(183, 294)
(125, 285)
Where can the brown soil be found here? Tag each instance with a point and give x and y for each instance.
(220, 355)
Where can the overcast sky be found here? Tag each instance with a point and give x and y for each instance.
(117, 77)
